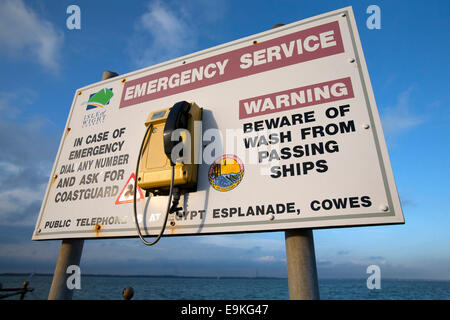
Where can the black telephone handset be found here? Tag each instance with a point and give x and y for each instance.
(177, 119)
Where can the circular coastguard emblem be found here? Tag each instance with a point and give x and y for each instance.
(226, 172)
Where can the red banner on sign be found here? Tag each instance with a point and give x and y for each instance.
(305, 45)
(296, 98)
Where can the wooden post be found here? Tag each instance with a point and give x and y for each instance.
(69, 254)
(301, 265)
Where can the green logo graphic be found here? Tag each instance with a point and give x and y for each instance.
(99, 99)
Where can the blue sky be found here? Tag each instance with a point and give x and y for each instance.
(42, 63)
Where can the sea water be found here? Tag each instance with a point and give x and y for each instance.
(180, 288)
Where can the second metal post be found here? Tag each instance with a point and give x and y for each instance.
(301, 265)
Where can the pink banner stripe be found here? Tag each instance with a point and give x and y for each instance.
(313, 43)
(310, 95)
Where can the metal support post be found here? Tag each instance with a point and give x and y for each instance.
(301, 265)
(69, 254)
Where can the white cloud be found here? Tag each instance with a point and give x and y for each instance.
(28, 146)
(369, 261)
(24, 33)
(9, 167)
(244, 241)
(28, 250)
(16, 201)
(163, 25)
(161, 33)
(8, 98)
(399, 117)
(265, 258)
(167, 30)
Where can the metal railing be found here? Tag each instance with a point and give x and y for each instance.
(15, 291)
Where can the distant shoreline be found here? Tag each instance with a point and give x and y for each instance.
(141, 276)
(204, 277)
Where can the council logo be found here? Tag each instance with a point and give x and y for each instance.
(96, 105)
(99, 99)
(226, 172)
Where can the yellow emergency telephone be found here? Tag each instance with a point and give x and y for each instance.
(160, 170)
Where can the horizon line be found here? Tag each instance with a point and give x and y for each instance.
(30, 274)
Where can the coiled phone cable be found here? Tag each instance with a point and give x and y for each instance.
(135, 192)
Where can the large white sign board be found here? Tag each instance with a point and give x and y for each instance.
(291, 108)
